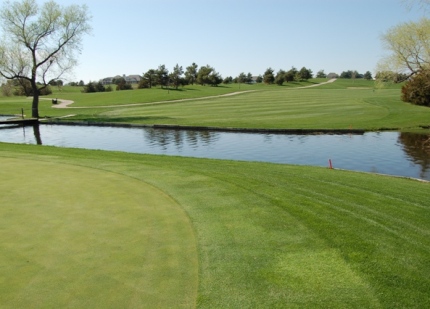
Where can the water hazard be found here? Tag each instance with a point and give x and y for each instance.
(393, 153)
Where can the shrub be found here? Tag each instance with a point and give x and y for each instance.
(417, 89)
(144, 83)
(95, 87)
(123, 85)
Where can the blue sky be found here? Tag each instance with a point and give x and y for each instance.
(130, 37)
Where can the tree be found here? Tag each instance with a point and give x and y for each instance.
(203, 75)
(280, 77)
(304, 74)
(7, 88)
(367, 75)
(175, 76)
(409, 47)
(23, 88)
(214, 78)
(227, 80)
(191, 73)
(321, 74)
(149, 77)
(162, 75)
(100, 87)
(346, 74)
(268, 77)
(249, 78)
(123, 85)
(89, 88)
(417, 89)
(94, 87)
(351, 74)
(291, 75)
(40, 43)
(241, 78)
(390, 76)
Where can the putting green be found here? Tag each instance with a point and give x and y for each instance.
(72, 236)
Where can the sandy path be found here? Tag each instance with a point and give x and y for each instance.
(316, 85)
(63, 103)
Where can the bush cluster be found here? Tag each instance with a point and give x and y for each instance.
(417, 89)
(96, 87)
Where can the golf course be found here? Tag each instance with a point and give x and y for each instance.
(102, 229)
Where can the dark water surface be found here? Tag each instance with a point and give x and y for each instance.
(393, 153)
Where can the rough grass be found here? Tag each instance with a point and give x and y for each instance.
(268, 235)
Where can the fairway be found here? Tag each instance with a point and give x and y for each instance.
(313, 105)
(86, 238)
(99, 229)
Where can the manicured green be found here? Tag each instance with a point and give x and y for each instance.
(75, 224)
(85, 237)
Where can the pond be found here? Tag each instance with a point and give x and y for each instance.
(393, 153)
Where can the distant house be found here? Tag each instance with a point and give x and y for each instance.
(133, 79)
(107, 81)
(332, 75)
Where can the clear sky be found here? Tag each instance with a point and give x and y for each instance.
(234, 36)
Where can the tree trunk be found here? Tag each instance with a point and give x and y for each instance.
(35, 105)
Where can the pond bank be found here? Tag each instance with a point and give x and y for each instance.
(203, 128)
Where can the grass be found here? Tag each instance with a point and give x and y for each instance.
(80, 237)
(304, 108)
(101, 229)
(264, 235)
(344, 104)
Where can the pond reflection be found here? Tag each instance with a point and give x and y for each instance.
(417, 147)
(164, 138)
(37, 136)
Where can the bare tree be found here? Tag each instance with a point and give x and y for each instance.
(40, 43)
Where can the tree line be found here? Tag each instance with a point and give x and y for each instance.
(207, 75)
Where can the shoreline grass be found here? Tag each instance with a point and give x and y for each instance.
(268, 235)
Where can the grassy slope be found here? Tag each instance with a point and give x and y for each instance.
(277, 235)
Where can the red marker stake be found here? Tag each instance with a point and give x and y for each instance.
(329, 162)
